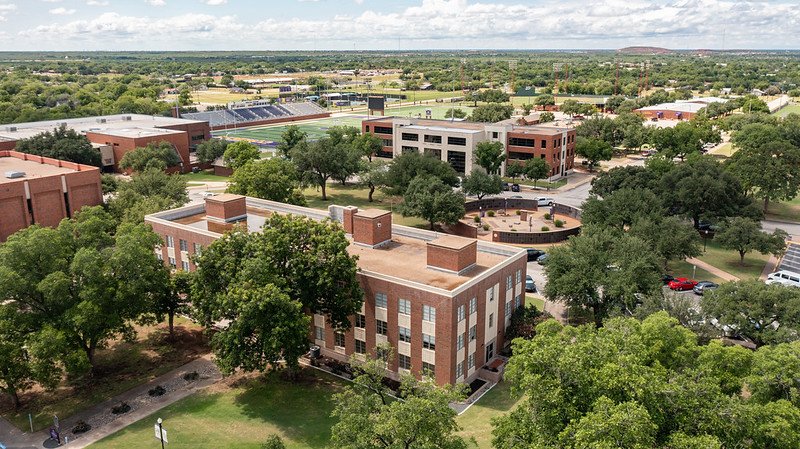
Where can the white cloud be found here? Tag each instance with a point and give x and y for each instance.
(51, 1)
(8, 7)
(96, 3)
(215, 2)
(456, 24)
(61, 11)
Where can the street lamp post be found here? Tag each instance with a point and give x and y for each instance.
(705, 239)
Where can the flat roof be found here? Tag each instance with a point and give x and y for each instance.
(402, 258)
(372, 213)
(443, 129)
(137, 132)
(31, 169)
(674, 107)
(101, 124)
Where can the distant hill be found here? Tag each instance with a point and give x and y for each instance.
(645, 51)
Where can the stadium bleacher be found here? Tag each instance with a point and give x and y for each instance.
(241, 116)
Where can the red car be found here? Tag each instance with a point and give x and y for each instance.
(682, 284)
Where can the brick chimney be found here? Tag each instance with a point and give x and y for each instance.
(452, 254)
(347, 218)
(371, 227)
(226, 208)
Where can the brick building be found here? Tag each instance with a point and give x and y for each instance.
(115, 135)
(43, 191)
(671, 111)
(442, 302)
(455, 141)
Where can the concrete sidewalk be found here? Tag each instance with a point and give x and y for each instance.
(105, 423)
(712, 269)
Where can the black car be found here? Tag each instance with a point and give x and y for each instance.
(534, 254)
(530, 285)
(506, 187)
(514, 187)
(704, 286)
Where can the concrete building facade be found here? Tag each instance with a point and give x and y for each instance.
(443, 303)
(115, 135)
(454, 142)
(39, 190)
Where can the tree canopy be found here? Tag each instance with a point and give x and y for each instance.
(292, 136)
(238, 154)
(744, 235)
(160, 156)
(429, 198)
(593, 150)
(479, 183)
(490, 156)
(61, 143)
(147, 192)
(408, 166)
(210, 150)
(272, 179)
(492, 113)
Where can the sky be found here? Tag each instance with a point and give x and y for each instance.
(151, 25)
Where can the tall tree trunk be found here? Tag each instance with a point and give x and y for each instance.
(597, 312)
(371, 191)
(431, 221)
(14, 397)
(766, 204)
(324, 195)
(741, 257)
(171, 321)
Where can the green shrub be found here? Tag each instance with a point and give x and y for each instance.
(477, 219)
(546, 216)
(490, 213)
(485, 227)
(559, 223)
(545, 228)
(519, 212)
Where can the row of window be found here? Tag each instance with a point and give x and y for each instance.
(460, 365)
(183, 244)
(531, 143)
(428, 138)
(404, 307)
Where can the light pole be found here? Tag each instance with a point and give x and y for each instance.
(705, 238)
(160, 432)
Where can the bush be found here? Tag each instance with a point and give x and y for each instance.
(546, 216)
(191, 377)
(123, 407)
(545, 229)
(81, 427)
(273, 442)
(559, 223)
(486, 227)
(157, 391)
(519, 212)
(490, 213)
(477, 219)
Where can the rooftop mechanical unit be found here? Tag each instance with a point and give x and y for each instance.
(15, 174)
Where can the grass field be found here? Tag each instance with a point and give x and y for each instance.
(351, 195)
(681, 268)
(534, 301)
(203, 176)
(540, 183)
(243, 416)
(119, 368)
(728, 260)
(272, 134)
(476, 422)
(438, 110)
(726, 149)
(792, 108)
(787, 210)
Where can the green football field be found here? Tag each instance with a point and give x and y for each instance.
(270, 135)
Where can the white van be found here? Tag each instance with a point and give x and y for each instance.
(785, 278)
(543, 201)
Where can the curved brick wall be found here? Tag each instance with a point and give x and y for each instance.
(526, 238)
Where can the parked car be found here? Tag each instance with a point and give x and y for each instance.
(207, 194)
(514, 187)
(542, 259)
(544, 201)
(530, 285)
(516, 197)
(506, 187)
(785, 278)
(682, 284)
(666, 279)
(534, 254)
(704, 286)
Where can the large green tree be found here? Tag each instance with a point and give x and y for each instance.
(770, 171)
(593, 150)
(744, 235)
(536, 168)
(86, 279)
(290, 137)
(432, 200)
(210, 150)
(601, 271)
(280, 274)
(492, 113)
(61, 143)
(274, 179)
(319, 161)
(490, 156)
(147, 192)
(408, 166)
(369, 418)
(766, 314)
(684, 139)
(160, 155)
(238, 154)
(479, 183)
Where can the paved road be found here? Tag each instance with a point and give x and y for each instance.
(793, 229)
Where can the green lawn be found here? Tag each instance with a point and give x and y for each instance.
(681, 268)
(243, 416)
(204, 176)
(787, 210)
(725, 149)
(351, 195)
(438, 110)
(534, 301)
(272, 134)
(476, 422)
(792, 108)
(728, 260)
(119, 368)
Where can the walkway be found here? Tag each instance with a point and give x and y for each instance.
(712, 269)
(105, 423)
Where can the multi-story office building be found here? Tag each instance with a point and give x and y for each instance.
(454, 141)
(40, 190)
(442, 302)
